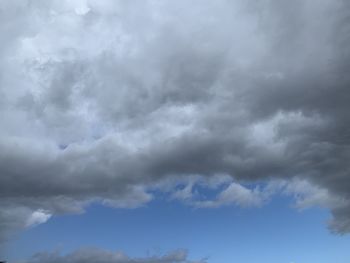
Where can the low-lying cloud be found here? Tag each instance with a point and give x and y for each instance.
(106, 100)
(94, 255)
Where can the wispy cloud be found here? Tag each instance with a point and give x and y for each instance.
(93, 255)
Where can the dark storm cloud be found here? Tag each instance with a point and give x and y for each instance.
(103, 101)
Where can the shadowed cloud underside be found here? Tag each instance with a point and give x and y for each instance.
(109, 101)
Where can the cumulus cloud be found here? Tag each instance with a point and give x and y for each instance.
(103, 256)
(232, 194)
(235, 194)
(105, 100)
(38, 217)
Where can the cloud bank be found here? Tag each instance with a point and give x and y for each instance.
(97, 255)
(105, 101)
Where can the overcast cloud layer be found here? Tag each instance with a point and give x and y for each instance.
(107, 101)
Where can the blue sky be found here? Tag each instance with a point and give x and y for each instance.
(174, 131)
(273, 233)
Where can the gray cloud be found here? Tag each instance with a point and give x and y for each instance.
(103, 256)
(104, 101)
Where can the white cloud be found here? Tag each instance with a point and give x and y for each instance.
(38, 217)
(235, 194)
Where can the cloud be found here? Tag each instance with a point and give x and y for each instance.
(102, 102)
(232, 194)
(104, 256)
(308, 195)
(235, 194)
(37, 217)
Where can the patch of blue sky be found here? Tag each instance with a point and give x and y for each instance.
(272, 233)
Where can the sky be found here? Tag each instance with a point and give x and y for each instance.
(161, 131)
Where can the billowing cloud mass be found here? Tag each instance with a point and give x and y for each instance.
(107, 101)
(103, 256)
